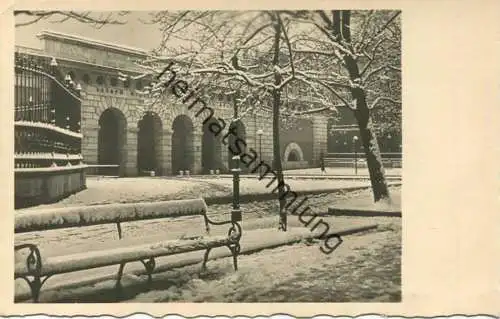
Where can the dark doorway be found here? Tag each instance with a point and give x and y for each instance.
(232, 145)
(210, 149)
(111, 141)
(293, 156)
(182, 144)
(149, 143)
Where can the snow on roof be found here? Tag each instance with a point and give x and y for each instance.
(92, 42)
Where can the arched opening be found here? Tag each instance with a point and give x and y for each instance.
(111, 141)
(182, 144)
(233, 147)
(149, 143)
(210, 149)
(293, 156)
(293, 153)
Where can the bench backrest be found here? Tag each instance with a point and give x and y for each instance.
(45, 219)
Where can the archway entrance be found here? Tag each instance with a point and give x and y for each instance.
(149, 143)
(111, 140)
(293, 156)
(210, 149)
(293, 153)
(232, 145)
(182, 144)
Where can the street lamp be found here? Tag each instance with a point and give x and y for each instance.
(236, 211)
(260, 133)
(354, 142)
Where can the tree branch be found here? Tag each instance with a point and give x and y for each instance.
(383, 98)
(83, 17)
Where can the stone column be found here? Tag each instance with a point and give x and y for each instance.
(90, 142)
(266, 125)
(320, 138)
(196, 149)
(129, 154)
(90, 131)
(165, 160)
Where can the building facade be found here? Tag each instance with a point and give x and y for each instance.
(119, 130)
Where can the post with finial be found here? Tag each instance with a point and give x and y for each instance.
(236, 212)
(53, 71)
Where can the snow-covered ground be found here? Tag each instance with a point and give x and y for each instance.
(340, 171)
(105, 190)
(365, 267)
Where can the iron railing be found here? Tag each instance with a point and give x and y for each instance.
(47, 114)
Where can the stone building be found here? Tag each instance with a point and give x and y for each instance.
(119, 130)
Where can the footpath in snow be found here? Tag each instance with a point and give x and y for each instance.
(126, 190)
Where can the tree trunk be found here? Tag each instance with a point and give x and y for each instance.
(278, 168)
(362, 114)
(372, 151)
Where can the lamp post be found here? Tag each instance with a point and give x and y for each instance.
(236, 211)
(354, 142)
(260, 133)
(389, 143)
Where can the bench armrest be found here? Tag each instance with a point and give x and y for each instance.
(234, 231)
(30, 262)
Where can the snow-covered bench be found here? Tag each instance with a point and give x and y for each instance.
(35, 268)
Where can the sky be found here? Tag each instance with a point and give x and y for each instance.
(134, 33)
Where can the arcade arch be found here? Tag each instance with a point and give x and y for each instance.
(182, 144)
(111, 140)
(210, 149)
(293, 153)
(149, 135)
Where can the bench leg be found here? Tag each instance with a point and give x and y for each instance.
(35, 286)
(205, 259)
(150, 266)
(120, 275)
(235, 250)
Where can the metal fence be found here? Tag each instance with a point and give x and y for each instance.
(47, 114)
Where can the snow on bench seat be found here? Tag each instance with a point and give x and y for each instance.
(44, 219)
(30, 262)
(123, 254)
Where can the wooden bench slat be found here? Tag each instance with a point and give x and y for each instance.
(44, 219)
(115, 256)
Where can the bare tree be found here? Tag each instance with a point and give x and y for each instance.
(355, 57)
(256, 57)
(247, 54)
(29, 17)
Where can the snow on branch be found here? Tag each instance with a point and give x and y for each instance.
(371, 57)
(304, 78)
(379, 31)
(384, 68)
(383, 98)
(289, 46)
(34, 16)
(331, 107)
